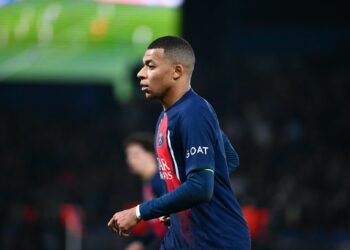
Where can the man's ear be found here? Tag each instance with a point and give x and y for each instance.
(178, 71)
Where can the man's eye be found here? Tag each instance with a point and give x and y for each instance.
(151, 66)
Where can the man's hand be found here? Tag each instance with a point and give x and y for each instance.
(165, 220)
(123, 221)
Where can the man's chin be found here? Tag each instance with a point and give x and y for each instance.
(149, 96)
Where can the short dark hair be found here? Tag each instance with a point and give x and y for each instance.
(177, 48)
(142, 138)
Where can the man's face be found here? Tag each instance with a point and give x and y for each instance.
(156, 75)
(137, 157)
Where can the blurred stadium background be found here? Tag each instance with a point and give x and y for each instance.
(276, 72)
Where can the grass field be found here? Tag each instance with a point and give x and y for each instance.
(79, 40)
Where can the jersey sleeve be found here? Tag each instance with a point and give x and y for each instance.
(197, 189)
(231, 154)
(197, 131)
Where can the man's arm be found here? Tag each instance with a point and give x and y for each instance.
(197, 189)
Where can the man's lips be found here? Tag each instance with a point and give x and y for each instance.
(144, 87)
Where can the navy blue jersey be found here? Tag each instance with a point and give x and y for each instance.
(157, 185)
(188, 139)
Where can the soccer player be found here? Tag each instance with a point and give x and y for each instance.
(204, 212)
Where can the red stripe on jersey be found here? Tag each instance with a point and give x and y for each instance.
(166, 168)
(165, 162)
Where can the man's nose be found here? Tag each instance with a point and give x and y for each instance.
(141, 74)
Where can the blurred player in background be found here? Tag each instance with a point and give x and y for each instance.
(204, 212)
(142, 162)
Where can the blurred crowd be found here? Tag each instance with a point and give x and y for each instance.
(290, 125)
(287, 116)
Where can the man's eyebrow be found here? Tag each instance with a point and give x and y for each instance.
(147, 62)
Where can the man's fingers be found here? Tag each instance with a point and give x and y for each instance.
(164, 218)
(112, 221)
(113, 225)
(115, 230)
(122, 221)
(123, 232)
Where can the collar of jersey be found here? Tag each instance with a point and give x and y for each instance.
(182, 98)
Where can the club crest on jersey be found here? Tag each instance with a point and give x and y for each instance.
(160, 139)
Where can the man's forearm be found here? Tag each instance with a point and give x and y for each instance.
(196, 190)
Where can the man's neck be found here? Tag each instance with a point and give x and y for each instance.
(174, 96)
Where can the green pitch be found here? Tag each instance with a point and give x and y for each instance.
(79, 40)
